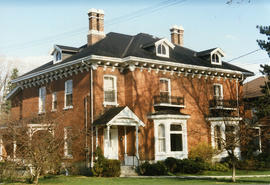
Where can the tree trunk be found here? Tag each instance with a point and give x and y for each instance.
(36, 176)
(233, 172)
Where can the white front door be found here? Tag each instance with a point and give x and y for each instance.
(111, 145)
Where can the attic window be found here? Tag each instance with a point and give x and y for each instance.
(162, 50)
(58, 56)
(215, 59)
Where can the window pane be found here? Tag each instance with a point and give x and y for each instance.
(217, 138)
(161, 131)
(176, 142)
(69, 100)
(161, 145)
(161, 138)
(68, 86)
(159, 49)
(163, 50)
(109, 96)
(176, 128)
(108, 83)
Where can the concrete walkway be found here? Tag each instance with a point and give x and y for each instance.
(196, 177)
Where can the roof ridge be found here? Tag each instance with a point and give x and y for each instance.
(128, 46)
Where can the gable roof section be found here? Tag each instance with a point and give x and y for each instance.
(253, 89)
(121, 46)
(119, 116)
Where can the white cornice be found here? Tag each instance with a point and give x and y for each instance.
(168, 116)
(224, 119)
(127, 60)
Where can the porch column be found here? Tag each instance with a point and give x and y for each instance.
(96, 136)
(137, 142)
(108, 136)
(125, 132)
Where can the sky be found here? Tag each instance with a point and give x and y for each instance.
(30, 28)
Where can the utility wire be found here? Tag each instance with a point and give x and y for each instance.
(244, 55)
(117, 20)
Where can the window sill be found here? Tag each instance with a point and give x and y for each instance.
(110, 103)
(53, 110)
(41, 112)
(67, 108)
(68, 157)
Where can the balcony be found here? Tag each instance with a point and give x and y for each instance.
(220, 104)
(165, 102)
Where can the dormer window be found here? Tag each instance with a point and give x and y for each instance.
(215, 59)
(58, 56)
(162, 50)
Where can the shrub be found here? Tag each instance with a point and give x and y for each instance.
(154, 169)
(171, 164)
(223, 167)
(203, 151)
(191, 166)
(112, 168)
(104, 167)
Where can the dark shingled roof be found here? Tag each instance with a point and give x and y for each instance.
(69, 48)
(108, 116)
(121, 46)
(205, 52)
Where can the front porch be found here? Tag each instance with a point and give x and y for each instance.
(117, 133)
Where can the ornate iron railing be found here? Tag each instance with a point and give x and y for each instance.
(170, 100)
(222, 103)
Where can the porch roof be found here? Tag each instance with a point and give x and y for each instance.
(121, 116)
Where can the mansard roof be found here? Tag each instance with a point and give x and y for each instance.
(119, 45)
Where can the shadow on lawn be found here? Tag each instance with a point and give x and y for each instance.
(255, 180)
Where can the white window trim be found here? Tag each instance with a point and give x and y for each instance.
(55, 51)
(176, 132)
(219, 59)
(66, 144)
(65, 102)
(169, 84)
(170, 119)
(115, 85)
(40, 111)
(221, 90)
(167, 54)
(161, 138)
(54, 98)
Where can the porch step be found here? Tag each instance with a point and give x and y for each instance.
(127, 171)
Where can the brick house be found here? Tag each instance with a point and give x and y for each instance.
(138, 97)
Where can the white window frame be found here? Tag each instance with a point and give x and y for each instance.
(216, 137)
(66, 152)
(65, 103)
(176, 132)
(42, 100)
(105, 103)
(169, 84)
(54, 98)
(166, 50)
(221, 91)
(161, 139)
(218, 60)
(168, 120)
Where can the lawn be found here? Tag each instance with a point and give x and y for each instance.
(229, 173)
(81, 180)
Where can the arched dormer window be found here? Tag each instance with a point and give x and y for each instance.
(58, 56)
(215, 58)
(162, 50)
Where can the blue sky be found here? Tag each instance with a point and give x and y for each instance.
(30, 28)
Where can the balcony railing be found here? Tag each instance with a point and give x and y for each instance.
(170, 101)
(223, 104)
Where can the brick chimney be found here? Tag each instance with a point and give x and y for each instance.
(96, 26)
(177, 35)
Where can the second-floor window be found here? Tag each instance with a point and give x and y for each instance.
(68, 94)
(42, 98)
(218, 92)
(54, 101)
(164, 87)
(110, 90)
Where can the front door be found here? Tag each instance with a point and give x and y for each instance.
(111, 145)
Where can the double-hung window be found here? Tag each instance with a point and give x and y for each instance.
(68, 94)
(218, 139)
(42, 98)
(110, 90)
(218, 94)
(54, 101)
(165, 90)
(176, 136)
(161, 138)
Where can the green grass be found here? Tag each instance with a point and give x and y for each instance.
(81, 180)
(238, 172)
